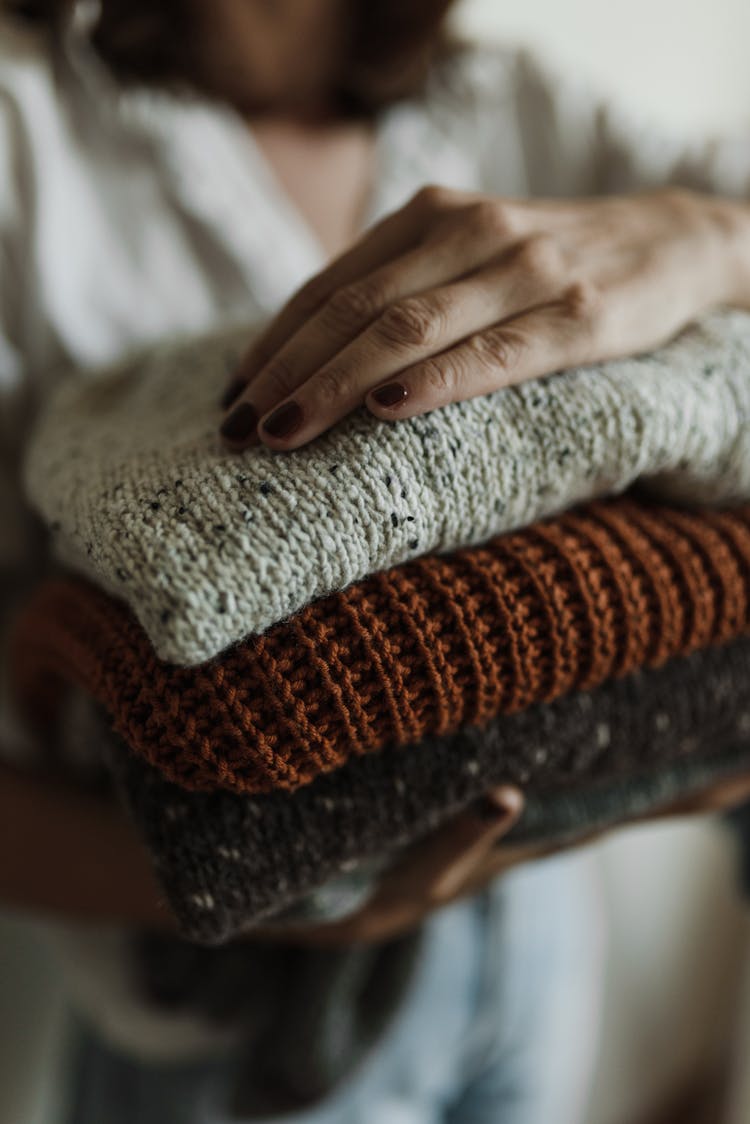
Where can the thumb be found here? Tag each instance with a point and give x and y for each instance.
(474, 835)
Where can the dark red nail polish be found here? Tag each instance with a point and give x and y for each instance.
(285, 421)
(240, 424)
(232, 393)
(392, 394)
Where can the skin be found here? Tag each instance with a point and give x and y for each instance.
(451, 297)
(274, 58)
(68, 853)
(464, 856)
(457, 295)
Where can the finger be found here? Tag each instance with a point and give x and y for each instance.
(392, 236)
(349, 313)
(547, 339)
(470, 842)
(412, 887)
(418, 868)
(726, 794)
(387, 328)
(458, 249)
(506, 857)
(410, 331)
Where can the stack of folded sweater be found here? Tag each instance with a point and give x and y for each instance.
(312, 660)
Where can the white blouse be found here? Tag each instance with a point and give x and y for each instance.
(126, 217)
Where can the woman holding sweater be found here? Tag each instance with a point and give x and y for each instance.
(169, 167)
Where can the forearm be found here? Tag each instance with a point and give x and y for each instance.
(67, 853)
(70, 855)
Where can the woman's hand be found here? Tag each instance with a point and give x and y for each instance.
(454, 861)
(457, 295)
(465, 855)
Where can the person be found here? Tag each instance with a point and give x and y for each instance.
(435, 220)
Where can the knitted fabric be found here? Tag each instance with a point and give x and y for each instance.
(586, 761)
(419, 651)
(208, 547)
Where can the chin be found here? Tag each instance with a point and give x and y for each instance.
(273, 99)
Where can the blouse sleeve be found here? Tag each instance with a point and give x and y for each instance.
(575, 141)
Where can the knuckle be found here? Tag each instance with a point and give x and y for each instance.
(280, 376)
(352, 307)
(497, 348)
(258, 356)
(433, 199)
(330, 385)
(311, 296)
(583, 302)
(491, 217)
(537, 256)
(439, 377)
(411, 323)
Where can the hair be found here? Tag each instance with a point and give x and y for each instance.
(390, 47)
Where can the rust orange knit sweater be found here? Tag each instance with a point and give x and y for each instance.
(439, 644)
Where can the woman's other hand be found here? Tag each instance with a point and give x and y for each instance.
(461, 858)
(457, 860)
(457, 295)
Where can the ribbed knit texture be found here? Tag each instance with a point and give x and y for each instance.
(586, 761)
(418, 651)
(209, 547)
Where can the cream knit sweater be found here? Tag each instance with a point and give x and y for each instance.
(208, 547)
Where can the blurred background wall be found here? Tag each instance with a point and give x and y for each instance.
(685, 61)
(679, 934)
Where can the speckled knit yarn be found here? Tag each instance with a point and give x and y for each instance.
(226, 860)
(209, 547)
(422, 650)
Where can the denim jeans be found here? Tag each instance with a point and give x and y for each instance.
(499, 1026)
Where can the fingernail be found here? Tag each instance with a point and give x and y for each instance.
(392, 394)
(285, 421)
(240, 424)
(232, 393)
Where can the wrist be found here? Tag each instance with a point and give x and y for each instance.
(727, 222)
